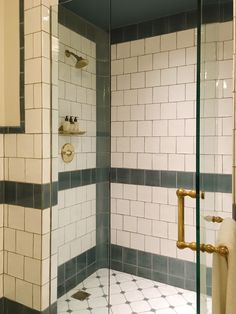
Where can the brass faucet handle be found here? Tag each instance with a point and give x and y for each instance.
(67, 152)
(191, 193)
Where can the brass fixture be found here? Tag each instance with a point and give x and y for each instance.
(213, 219)
(67, 152)
(181, 244)
(80, 62)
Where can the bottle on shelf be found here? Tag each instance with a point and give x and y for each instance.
(76, 125)
(72, 125)
(66, 124)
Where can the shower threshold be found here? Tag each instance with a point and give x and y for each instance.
(129, 294)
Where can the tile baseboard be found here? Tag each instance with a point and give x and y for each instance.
(168, 270)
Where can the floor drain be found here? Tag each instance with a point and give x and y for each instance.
(80, 295)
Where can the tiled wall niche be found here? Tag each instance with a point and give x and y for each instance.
(153, 137)
(78, 246)
(77, 97)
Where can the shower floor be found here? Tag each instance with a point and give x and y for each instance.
(129, 295)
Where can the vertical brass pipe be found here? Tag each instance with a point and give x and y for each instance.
(181, 218)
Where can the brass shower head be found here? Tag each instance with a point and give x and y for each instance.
(80, 62)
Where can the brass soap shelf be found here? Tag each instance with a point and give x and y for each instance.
(61, 132)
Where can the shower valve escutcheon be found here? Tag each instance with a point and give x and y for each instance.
(181, 244)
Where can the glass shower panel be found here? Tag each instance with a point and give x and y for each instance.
(215, 133)
(80, 234)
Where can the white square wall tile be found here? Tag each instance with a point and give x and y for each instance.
(32, 20)
(144, 161)
(177, 92)
(152, 44)
(186, 38)
(138, 80)
(15, 265)
(145, 63)
(137, 144)
(123, 207)
(177, 57)
(117, 98)
(137, 208)
(144, 193)
(160, 94)
(168, 76)
(137, 112)
(186, 74)
(160, 60)
(33, 121)
(137, 47)
(24, 243)
(152, 245)
(34, 76)
(145, 96)
(131, 97)
(123, 82)
(123, 238)
(123, 50)
(130, 160)
(130, 65)
(117, 67)
(33, 220)
(153, 78)
(24, 292)
(130, 224)
(168, 42)
(17, 169)
(144, 226)
(130, 128)
(144, 128)
(32, 270)
(137, 241)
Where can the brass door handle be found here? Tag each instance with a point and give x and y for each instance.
(181, 193)
(181, 244)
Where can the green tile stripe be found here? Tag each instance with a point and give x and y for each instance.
(210, 182)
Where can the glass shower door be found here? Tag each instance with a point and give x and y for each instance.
(213, 138)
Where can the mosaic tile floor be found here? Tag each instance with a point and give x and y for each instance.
(129, 295)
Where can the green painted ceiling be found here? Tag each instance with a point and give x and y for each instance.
(128, 12)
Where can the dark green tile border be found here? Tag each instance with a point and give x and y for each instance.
(172, 179)
(73, 272)
(21, 128)
(77, 178)
(160, 268)
(8, 306)
(211, 13)
(31, 195)
(1, 305)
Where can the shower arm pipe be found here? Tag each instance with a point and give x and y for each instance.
(181, 244)
(70, 53)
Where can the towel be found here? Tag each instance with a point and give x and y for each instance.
(224, 271)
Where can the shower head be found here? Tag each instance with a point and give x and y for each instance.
(80, 62)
